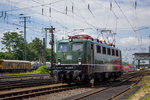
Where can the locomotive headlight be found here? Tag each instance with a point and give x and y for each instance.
(79, 61)
(70, 39)
(59, 61)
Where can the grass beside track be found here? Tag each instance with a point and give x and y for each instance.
(145, 89)
(40, 70)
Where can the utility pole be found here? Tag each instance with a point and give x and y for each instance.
(52, 46)
(44, 53)
(149, 52)
(25, 42)
(46, 38)
(51, 30)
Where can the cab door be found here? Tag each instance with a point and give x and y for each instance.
(90, 56)
(92, 53)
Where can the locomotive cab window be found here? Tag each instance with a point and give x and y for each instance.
(104, 50)
(92, 46)
(77, 47)
(63, 47)
(120, 53)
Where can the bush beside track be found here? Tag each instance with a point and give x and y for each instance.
(40, 70)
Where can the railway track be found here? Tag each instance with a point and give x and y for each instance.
(49, 89)
(25, 83)
(7, 83)
(124, 91)
(22, 76)
(119, 94)
(36, 92)
(101, 92)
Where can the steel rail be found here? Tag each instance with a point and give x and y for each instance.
(100, 90)
(23, 76)
(28, 83)
(36, 92)
(125, 90)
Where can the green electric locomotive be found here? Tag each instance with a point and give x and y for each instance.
(80, 58)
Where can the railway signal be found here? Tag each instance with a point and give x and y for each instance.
(51, 30)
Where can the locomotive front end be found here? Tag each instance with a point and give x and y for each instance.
(70, 61)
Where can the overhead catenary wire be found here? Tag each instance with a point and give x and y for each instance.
(68, 16)
(34, 21)
(23, 8)
(36, 6)
(30, 20)
(64, 13)
(79, 15)
(90, 10)
(125, 16)
(71, 16)
(11, 23)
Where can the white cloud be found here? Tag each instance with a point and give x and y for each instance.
(132, 42)
(82, 16)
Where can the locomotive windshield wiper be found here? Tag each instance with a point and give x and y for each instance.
(78, 50)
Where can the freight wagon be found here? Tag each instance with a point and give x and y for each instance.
(14, 66)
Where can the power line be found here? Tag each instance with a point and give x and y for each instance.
(21, 26)
(81, 16)
(31, 20)
(34, 6)
(124, 15)
(90, 10)
(66, 14)
(53, 9)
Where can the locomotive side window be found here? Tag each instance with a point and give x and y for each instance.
(120, 53)
(108, 51)
(117, 53)
(77, 47)
(104, 50)
(91, 46)
(98, 49)
(113, 52)
(63, 47)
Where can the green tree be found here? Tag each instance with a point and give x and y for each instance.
(48, 55)
(6, 55)
(35, 49)
(13, 44)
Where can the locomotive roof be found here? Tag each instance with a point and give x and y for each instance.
(14, 61)
(103, 44)
(74, 40)
(83, 40)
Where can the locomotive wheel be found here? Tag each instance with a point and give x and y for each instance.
(55, 79)
(92, 81)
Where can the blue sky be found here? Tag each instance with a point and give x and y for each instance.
(133, 25)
